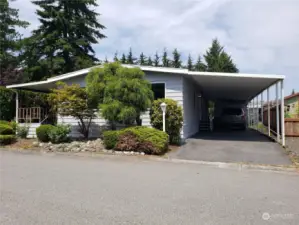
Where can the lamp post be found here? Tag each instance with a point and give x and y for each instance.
(163, 107)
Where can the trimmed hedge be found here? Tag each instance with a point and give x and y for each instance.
(138, 139)
(6, 129)
(59, 134)
(7, 139)
(42, 132)
(110, 138)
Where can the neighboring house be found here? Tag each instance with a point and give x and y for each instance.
(292, 105)
(190, 89)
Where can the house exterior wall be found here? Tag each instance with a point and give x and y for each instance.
(173, 90)
(292, 106)
(193, 104)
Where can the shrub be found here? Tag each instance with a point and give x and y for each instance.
(152, 141)
(173, 117)
(7, 139)
(127, 142)
(110, 138)
(7, 109)
(22, 131)
(12, 124)
(59, 133)
(6, 129)
(42, 132)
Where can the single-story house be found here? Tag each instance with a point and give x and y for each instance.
(192, 90)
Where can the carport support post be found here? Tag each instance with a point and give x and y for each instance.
(277, 113)
(268, 100)
(282, 113)
(262, 109)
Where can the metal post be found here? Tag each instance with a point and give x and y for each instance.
(257, 113)
(17, 107)
(282, 113)
(262, 109)
(248, 114)
(277, 114)
(269, 119)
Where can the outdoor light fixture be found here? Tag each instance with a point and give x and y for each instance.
(163, 107)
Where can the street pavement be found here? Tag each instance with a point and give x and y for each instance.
(51, 189)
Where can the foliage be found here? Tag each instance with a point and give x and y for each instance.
(59, 134)
(110, 138)
(7, 108)
(42, 132)
(218, 60)
(142, 59)
(190, 63)
(149, 61)
(176, 62)
(139, 139)
(22, 131)
(6, 129)
(63, 41)
(123, 59)
(72, 100)
(127, 94)
(130, 57)
(115, 58)
(7, 139)
(151, 141)
(10, 42)
(173, 118)
(157, 60)
(165, 60)
(199, 65)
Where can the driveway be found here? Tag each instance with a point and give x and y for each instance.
(233, 146)
(54, 189)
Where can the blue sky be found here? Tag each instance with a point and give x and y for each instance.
(261, 35)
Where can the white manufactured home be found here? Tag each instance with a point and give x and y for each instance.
(190, 89)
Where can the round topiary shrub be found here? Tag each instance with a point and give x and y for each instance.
(173, 117)
(110, 138)
(42, 132)
(6, 129)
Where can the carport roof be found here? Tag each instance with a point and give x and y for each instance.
(233, 86)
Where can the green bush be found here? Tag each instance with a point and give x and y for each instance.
(42, 132)
(12, 124)
(22, 131)
(7, 139)
(4, 122)
(6, 129)
(173, 117)
(7, 109)
(110, 138)
(59, 133)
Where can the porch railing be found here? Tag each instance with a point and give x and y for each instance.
(32, 114)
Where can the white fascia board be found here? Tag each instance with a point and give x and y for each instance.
(247, 75)
(27, 84)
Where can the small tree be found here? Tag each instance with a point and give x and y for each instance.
(142, 59)
(72, 100)
(165, 60)
(189, 63)
(123, 59)
(176, 62)
(130, 58)
(200, 66)
(156, 60)
(149, 61)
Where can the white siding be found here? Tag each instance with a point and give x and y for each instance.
(174, 90)
(192, 107)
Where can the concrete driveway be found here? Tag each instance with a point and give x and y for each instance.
(233, 146)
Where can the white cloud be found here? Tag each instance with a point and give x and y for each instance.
(261, 35)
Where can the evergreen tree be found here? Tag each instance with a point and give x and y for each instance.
(149, 61)
(176, 62)
(115, 59)
(67, 32)
(142, 59)
(123, 59)
(165, 60)
(130, 58)
(106, 60)
(156, 60)
(200, 66)
(218, 60)
(189, 63)
(10, 43)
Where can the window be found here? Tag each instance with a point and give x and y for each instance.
(159, 90)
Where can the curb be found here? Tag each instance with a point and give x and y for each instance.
(238, 166)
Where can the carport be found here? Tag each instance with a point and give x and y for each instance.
(249, 90)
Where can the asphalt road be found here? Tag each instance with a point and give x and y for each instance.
(47, 189)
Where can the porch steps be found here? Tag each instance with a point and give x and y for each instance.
(205, 126)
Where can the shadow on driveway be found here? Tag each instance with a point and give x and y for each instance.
(232, 146)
